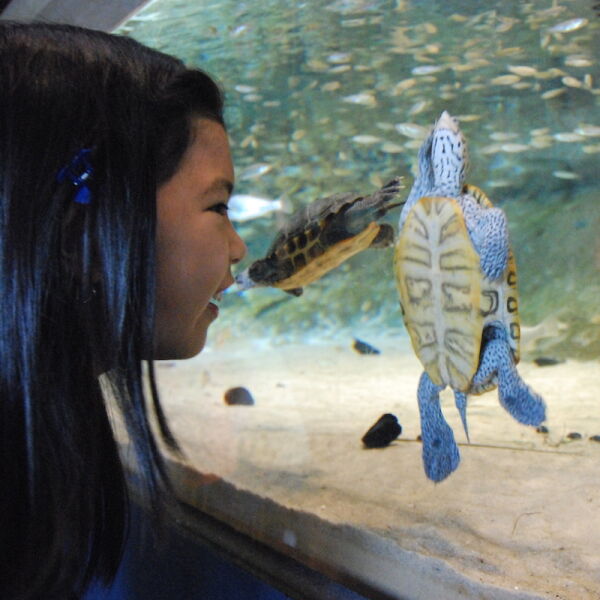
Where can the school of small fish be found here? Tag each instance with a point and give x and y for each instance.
(515, 68)
(325, 96)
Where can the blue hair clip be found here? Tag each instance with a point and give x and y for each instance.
(78, 171)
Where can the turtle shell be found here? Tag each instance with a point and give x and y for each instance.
(446, 299)
(439, 282)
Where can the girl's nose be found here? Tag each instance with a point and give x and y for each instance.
(237, 247)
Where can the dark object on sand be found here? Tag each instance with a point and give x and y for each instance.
(547, 361)
(364, 348)
(541, 429)
(239, 396)
(574, 436)
(383, 433)
(595, 438)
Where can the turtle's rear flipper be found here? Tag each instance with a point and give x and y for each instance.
(440, 452)
(515, 395)
(373, 207)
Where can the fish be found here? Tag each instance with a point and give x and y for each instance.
(340, 69)
(244, 207)
(412, 130)
(578, 61)
(366, 139)
(391, 148)
(244, 89)
(331, 86)
(503, 136)
(427, 69)
(553, 93)
(364, 98)
(591, 149)
(565, 174)
(513, 148)
(572, 82)
(505, 80)
(402, 86)
(419, 107)
(568, 26)
(339, 57)
(255, 171)
(522, 70)
(568, 136)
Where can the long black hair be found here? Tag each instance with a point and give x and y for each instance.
(77, 286)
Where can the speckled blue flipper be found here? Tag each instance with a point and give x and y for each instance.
(516, 397)
(488, 231)
(440, 452)
(460, 400)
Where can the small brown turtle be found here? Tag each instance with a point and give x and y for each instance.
(321, 236)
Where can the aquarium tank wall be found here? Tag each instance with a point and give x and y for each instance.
(334, 97)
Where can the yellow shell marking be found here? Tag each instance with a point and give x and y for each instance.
(331, 258)
(439, 282)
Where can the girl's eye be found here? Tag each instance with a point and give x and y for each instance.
(220, 208)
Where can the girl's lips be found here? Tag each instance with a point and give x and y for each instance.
(212, 307)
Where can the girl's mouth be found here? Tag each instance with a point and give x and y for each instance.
(213, 305)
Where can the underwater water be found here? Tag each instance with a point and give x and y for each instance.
(327, 97)
(337, 95)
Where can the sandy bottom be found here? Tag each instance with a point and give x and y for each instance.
(521, 514)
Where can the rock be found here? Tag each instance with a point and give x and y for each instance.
(541, 429)
(238, 396)
(547, 361)
(574, 436)
(383, 432)
(364, 348)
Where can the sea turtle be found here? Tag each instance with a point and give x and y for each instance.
(456, 277)
(321, 236)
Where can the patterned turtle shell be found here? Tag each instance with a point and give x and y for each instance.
(446, 299)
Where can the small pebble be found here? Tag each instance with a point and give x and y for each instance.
(546, 361)
(383, 432)
(595, 438)
(541, 429)
(364, 348)
(419, 438)
(574, 435)
(239, 396)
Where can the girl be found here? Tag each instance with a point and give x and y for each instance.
(115, 244)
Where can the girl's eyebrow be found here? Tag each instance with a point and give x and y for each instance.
(219, 184)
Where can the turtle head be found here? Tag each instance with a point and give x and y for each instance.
(443, 163)
(448, 158)
(261, 272)
(243, 281)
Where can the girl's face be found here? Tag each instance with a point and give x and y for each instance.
(196, 243)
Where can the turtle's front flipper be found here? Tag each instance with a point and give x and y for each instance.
(515, 395)
(460, 399)
(440, 452)
(488, 230)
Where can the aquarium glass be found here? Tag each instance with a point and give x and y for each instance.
(324, 97)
